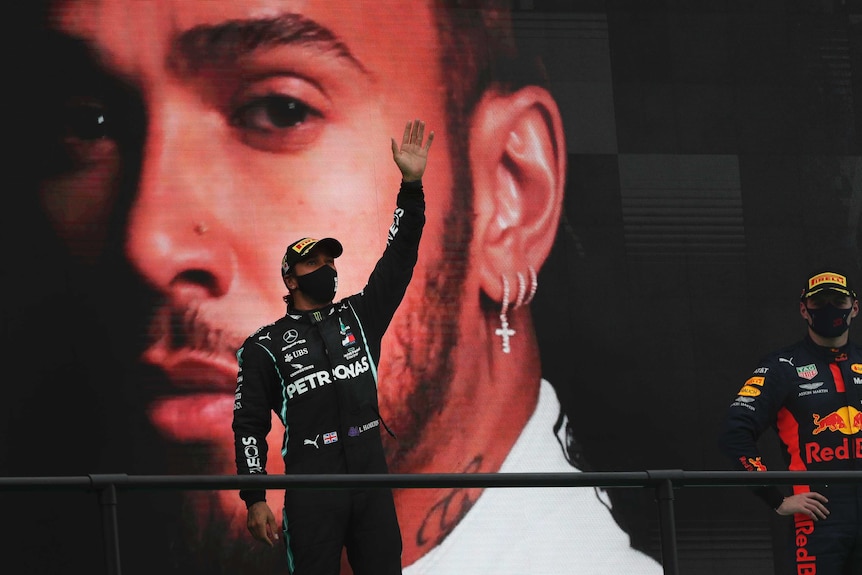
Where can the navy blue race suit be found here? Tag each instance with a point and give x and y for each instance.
(317, 370)
(812, 397)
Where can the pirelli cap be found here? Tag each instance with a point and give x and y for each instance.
(300, 249)
(827, 280)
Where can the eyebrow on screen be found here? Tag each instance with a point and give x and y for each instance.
(230, 40)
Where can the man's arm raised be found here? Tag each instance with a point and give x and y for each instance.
(412, 156)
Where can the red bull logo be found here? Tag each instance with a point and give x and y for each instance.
(833, 422)
(847, 420)
(806, 564)
(816, 453)
(756, 464)
(856, 368)
(752, 463)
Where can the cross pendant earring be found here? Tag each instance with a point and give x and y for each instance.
(503, 331)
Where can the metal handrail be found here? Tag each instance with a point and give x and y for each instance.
(664, 481)
(649, 478)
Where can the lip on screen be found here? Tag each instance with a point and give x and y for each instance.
(194, 417)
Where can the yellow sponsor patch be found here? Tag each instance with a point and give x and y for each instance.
(757, 380)
(302, 245)
(827, 278)
(857, 367)
(749, 391)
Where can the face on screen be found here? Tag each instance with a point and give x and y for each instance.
(217, 132)
(189, 142)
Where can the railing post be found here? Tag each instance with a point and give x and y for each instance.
(667, 523)
(106, 486)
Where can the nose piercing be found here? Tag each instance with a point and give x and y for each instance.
(201, 228)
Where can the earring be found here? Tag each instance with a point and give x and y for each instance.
(504, 332)
(201, 228)
(523, 297)
(534, 285)
(522, 290)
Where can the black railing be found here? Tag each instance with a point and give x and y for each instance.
(664, 481)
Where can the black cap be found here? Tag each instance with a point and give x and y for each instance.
(827, 279)
(300, 249)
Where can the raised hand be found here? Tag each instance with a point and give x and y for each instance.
(412, 156)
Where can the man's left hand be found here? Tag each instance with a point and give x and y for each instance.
(412, 156)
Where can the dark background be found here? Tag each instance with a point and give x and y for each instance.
(714, 160)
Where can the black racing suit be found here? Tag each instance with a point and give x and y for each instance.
(812, 397)
(318, 372)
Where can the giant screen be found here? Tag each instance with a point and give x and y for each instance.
(623, 199)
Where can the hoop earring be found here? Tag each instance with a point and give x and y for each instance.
(522, 290)
(503, 331)
(534, 286)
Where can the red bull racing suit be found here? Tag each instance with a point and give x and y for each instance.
(318, 372)
(812, 397)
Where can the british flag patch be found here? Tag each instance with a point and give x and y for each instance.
(330, 437)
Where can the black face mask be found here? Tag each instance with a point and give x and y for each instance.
(829, 321)
(320, 285)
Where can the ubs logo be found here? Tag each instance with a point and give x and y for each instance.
(291, 355)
